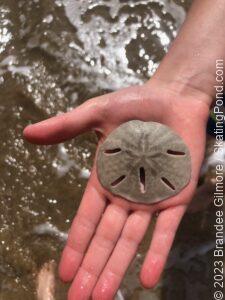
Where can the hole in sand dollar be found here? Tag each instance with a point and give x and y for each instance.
(142, 180)
(112, 151)
(173, 152)
(168, 183)
(118, 180)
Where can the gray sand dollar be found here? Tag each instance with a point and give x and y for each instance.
(144, 162)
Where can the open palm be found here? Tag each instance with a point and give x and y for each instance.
(107, 230)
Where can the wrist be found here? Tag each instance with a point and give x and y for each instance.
(199, 86)
(180, 96)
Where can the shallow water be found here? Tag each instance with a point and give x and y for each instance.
(54, 55)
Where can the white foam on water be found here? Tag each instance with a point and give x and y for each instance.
(213, 159)
(5, 34)
(85, 173)
(115, 72)
(63, 163)
(49, 229)
(119, 295)
(48, 19)
(9, 64)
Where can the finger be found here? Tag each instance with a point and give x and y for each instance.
(65, 126)
(81, 232)
(166, 227)
(99, 251)
(132, 234)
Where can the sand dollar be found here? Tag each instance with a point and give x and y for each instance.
(144, 162)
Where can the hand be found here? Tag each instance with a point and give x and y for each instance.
(104, 237)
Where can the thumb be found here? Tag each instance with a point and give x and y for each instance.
(66, 126)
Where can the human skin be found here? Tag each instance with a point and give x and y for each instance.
(107, 230)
